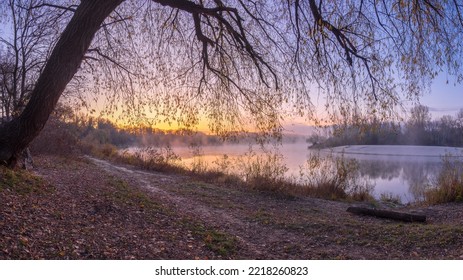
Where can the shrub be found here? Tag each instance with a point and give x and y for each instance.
(448, 185)
(264, 172)
(151, 158)
(223, 164)
(332, 178)
(198, 165)
(56, 138)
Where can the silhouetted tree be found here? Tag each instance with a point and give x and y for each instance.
(241, 61)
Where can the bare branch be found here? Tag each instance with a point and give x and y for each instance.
(238, 34)
(71, 8)
(100, 53)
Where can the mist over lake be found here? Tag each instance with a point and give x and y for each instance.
(395, 171)
(403, 171)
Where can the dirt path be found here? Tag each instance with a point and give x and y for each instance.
(267, 226)
(247, 232)
(92, 209)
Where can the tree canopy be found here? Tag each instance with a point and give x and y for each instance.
(234, 61)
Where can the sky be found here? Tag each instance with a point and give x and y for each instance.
(444, 99)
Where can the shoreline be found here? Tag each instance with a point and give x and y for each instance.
(398, 150)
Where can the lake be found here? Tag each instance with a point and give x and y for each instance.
(398, 171)
(403, 171)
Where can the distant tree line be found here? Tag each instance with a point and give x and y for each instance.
(419, 129)
(66, 128)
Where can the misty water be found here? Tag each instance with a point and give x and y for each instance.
(397, 171)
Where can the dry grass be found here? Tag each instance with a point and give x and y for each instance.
(333, 179)
(151, 158)
(92, 214)
(448, 186)
(101, 211)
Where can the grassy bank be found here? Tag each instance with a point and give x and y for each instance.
(90, 209)
(328, 178)
(75, 210)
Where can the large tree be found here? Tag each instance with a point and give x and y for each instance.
(228, 59)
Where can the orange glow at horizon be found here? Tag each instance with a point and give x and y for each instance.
(290, 124)
(97, 109)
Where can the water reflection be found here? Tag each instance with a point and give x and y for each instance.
(406, 177)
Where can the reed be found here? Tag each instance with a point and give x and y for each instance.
(448, 185)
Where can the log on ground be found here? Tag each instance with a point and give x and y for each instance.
(387, 214)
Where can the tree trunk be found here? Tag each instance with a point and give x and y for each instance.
(387, 214)
(63, 63)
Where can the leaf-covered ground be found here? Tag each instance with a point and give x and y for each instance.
(91, 209)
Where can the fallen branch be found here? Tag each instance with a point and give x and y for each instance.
(387, 214)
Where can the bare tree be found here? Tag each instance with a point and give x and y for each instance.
(26, 46)
(236, 59)
(418, 125)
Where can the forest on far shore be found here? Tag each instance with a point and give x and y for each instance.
(66, 130)
(418, 129)
(66, 127)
